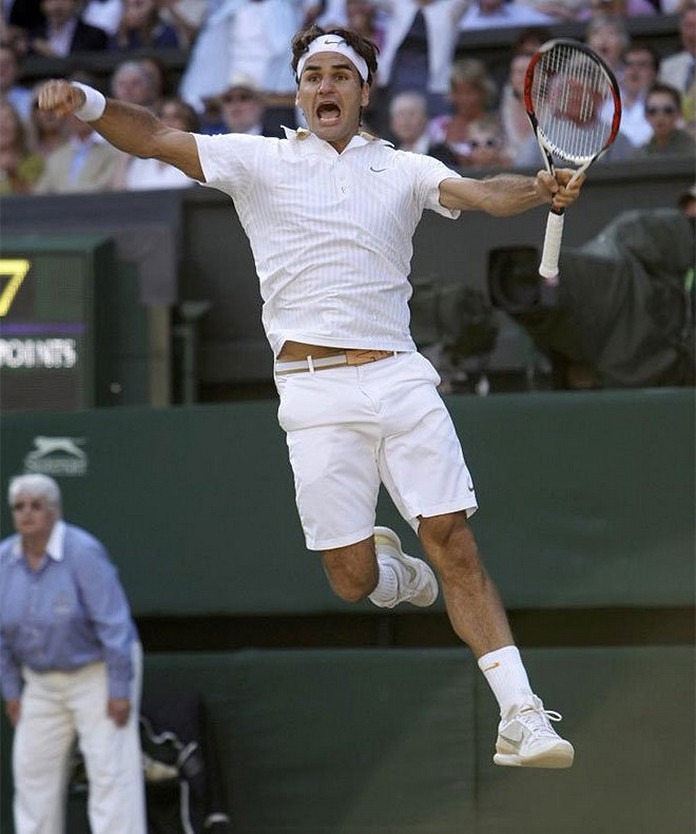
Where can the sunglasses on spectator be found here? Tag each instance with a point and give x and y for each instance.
(665, 109)
(35, 505)
(233, 98)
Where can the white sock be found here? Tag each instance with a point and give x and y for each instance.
(506, 676)
(386, 594)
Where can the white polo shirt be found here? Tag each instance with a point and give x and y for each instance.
(331, 233)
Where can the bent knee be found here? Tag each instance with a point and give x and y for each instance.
(349, 591)
(449, 542)
(351, 571)
(441, 531)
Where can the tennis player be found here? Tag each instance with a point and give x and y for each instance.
(330, 213)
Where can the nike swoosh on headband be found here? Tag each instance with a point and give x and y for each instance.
(327, 43)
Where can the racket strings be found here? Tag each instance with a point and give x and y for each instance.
(573, 103)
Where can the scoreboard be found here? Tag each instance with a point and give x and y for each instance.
(48, 320)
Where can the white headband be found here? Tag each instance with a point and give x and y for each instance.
(334, 43)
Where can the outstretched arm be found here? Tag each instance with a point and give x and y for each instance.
(129, 128)
(507, 194)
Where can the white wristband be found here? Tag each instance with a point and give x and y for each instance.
(94, 105)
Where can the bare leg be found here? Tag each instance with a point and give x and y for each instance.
(479, 619)
(473, 604)
(352, 570)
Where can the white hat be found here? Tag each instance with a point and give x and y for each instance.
(243, 81)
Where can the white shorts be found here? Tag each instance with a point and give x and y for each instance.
(350, 428)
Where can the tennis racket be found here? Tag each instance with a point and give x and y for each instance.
(573, 102)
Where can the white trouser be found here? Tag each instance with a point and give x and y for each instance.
(54, 707)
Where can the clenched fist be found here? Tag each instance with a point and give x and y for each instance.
(60, 97)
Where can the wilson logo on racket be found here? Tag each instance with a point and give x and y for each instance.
(574, 105)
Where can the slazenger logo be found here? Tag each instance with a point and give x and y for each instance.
(57, 456)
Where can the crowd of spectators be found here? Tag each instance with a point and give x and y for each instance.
(429, 95)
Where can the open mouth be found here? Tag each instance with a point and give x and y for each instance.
(328, 113)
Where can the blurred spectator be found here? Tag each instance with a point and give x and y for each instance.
(609, 38)
(568, 10)
(325, 13)
(85, 163)
(487, 143)
(20, 166)
(679, 70)
(135, 82)
(186, 16)
(419, 45)
(165, 84)
(210, 116)
(640, 72)
(64, 32)
(530, 39)
(14, 37)
(662, 108)
(249, 38)
(135, 174)
(314, 11)
(48, 130)
(687, 202)
(560, 10)
(485, 14)
(10, 90)
(362, 17)
(105, 14)
(408, 122)
(529, 155)
(623, 8)
(242, 107)
(472, 93)
(359, 15)
(175, 112)
(23, 15)
(513, 113)
(142, 27)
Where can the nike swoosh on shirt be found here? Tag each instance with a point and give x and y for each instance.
(377, 170)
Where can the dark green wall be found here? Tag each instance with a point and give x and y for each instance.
(401, 741)
(587, 499)
(587, 506)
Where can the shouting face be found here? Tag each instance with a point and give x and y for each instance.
(331, 95)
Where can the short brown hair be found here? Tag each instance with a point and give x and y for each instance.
(365, 48)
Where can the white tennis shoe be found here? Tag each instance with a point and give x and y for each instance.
(527, 739)
(417, 582)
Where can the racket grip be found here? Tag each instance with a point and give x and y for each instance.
(552, 246)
